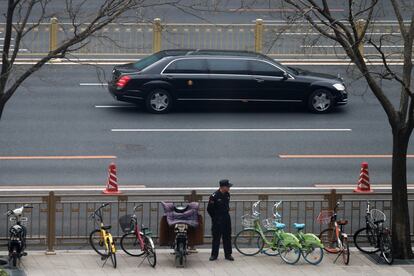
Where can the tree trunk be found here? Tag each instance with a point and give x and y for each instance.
(400, 214)
(2, 104)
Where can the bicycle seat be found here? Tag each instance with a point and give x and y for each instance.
(279, 225)
(379, 221)
(106, 227)
(299, 226)
(342, 222)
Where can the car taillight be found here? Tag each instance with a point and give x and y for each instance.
(123, 81)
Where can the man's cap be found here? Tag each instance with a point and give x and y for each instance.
(225, 183)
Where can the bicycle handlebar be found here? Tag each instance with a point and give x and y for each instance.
(254, 212)
(138, 206)
(275, 212)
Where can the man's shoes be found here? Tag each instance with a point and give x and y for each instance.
(213, 258)
(229, 258)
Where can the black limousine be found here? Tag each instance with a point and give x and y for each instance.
(164, 78)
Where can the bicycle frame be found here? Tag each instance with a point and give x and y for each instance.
(137, 230)
(106, 237)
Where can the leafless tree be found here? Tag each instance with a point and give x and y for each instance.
(23, 16)
(344, 30)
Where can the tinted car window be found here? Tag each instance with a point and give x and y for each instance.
(192, 66)
(145, 62)
(264, 69)
(228, 66)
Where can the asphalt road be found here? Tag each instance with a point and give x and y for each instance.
(215, 11)
(53, 115)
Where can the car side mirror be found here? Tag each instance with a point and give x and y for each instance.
(285, 76)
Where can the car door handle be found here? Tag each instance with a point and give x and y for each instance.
(259, 79)
(169, 77)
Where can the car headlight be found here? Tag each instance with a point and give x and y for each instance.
(339, 86)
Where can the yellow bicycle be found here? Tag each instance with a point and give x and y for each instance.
(100, 239)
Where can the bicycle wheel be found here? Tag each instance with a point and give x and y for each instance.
(150, 251)
(313, 255)
(386, 248)
(113, 258)
(130, 245)
(345, 250)
(289, 255)
(271, 248)
(248, 242)
(97, 243)
(329, 240)
(366, 240)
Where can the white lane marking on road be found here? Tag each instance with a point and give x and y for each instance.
(305, 33)
(339, 46)
(231, 129)
(93, 84)
(115, 106)
(170, 189)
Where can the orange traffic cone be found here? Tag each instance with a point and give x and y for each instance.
(112, 185)
(363, 182)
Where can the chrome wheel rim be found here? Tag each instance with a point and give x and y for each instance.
(159, 101)
(321, 101)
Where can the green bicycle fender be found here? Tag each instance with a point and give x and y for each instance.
(289, 239)
(312, 240)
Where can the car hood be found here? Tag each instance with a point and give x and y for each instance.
(316, 76)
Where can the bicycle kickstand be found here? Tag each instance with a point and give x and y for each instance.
(339, 255)
(143, 259)
(105, 259)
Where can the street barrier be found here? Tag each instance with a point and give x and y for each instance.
(61, 219)
(138, 39)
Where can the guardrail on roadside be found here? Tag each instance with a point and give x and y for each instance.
(62, 219)
(133, 39)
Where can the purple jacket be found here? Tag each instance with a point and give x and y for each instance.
(188, 216)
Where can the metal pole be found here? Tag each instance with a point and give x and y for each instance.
(360, 25)
(156, 35)
(53, 34)
(258, 35)
(51, 223)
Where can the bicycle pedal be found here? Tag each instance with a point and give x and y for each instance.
(103, 258)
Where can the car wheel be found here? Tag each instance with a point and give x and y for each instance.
(159, 101)
(320, 101)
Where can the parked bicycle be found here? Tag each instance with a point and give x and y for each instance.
(17, 234)
(334, 239)
(101, 239)
(375, 237)
(137, 242)
(274, 241)
(312, 247)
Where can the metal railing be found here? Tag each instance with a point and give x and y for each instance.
(60, 220)
(135, 39)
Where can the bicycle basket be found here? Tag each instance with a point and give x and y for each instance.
(377, 215)
(125, 223)
(270, 223)
(325, 216)
(248, 220)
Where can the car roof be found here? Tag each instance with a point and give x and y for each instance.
(213, 52)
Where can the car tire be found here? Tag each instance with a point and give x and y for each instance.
(321, 101)
(159, 101)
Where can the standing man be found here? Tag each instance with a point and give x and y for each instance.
(218, 209)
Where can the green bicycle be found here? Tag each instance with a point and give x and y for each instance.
(312, 247)
(252, 240)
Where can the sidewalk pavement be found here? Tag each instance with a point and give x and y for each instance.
(88, 263)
